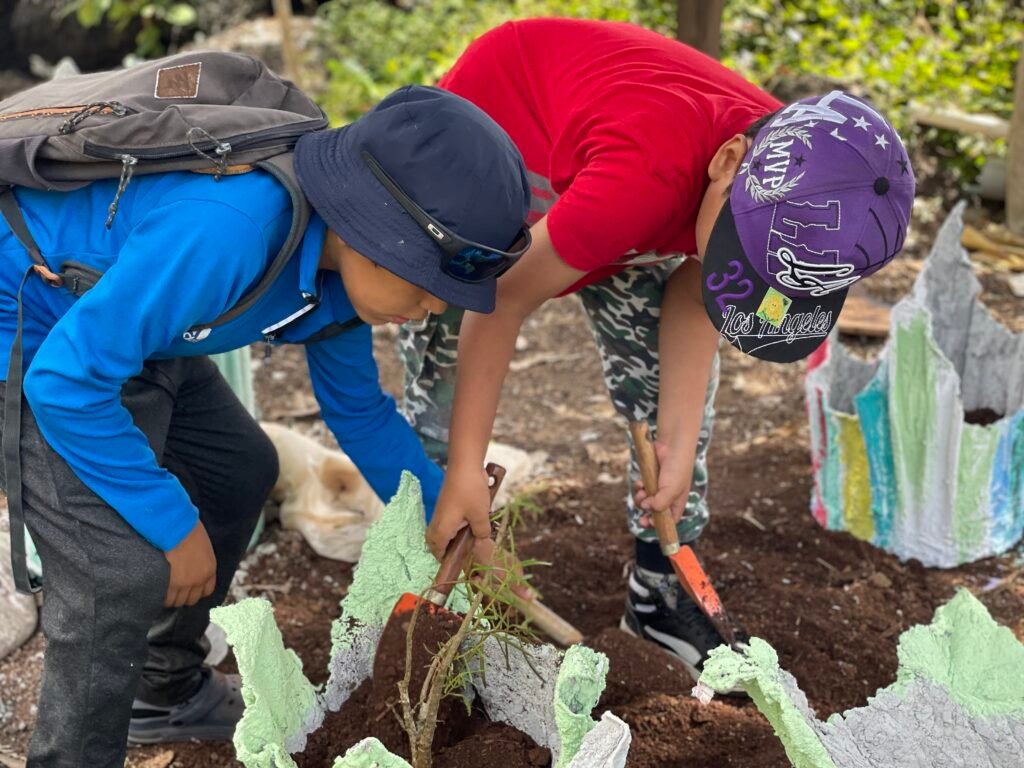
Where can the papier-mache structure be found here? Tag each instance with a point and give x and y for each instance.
(958, 699)
(895, 461)
(549, 697)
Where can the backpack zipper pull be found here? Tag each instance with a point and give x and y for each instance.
(128, 163)
(267, 338)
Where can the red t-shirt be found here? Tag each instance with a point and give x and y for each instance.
(617, 125)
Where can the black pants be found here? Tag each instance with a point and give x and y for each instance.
(108, 636)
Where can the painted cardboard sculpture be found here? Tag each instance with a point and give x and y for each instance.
(549, 697)
(895, 461)
(958, 699)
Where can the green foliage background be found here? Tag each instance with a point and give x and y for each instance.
(960, 53)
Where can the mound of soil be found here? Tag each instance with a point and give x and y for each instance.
(468, 740)
(462, 739)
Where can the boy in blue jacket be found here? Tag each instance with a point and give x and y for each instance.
(143, 476)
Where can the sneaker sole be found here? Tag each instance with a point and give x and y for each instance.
(169, 734)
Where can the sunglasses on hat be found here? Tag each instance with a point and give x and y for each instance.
(463, 259)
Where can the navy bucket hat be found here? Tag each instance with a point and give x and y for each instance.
(446, 154)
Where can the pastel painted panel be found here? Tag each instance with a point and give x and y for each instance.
(972, 512)
(873, 410)
(912, 384)
(819, 444)
(857, 517)
(832, 475)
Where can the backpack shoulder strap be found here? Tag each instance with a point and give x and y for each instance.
(80, 278)
(281, 168)
(10, 211)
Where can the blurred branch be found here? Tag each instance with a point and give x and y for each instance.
(1015, 169)
(283, 12)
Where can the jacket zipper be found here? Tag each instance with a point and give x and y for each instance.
(270, 333)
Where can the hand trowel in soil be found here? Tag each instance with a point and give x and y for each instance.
(684, 561)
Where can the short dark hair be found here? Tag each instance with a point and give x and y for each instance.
(760, 123)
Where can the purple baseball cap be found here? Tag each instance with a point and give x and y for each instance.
(823, 198)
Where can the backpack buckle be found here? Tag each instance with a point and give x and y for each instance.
(52, 278)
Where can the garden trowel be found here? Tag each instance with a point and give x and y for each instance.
(684, 561)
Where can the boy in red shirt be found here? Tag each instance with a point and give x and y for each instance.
(647, 158)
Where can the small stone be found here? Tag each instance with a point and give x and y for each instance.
(880, 580)
(1016, 285)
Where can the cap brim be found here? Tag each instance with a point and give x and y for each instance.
(354, 204)
(736, 298)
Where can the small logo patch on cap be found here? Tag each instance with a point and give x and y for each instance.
(181, 82)
(774, 307)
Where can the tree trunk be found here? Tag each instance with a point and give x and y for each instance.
(700, 25)
(1015, 165)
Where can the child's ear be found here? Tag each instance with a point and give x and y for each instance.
(727, 160)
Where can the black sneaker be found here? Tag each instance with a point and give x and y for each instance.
(209, 715)
(665, 614)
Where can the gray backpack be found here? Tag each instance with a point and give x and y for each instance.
(210, 112)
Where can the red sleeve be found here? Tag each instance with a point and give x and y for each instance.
(615, 204)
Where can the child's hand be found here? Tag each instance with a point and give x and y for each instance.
(193, 569)
(674, 477)
(465, 499)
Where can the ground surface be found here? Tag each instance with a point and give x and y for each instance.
(833, 607)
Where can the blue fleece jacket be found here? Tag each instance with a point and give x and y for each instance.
(183, 249)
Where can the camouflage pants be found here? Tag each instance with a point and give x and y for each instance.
(624, 312)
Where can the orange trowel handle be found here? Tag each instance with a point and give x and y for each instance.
(648, 460)
(460, 548)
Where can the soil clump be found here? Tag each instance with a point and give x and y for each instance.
(480, 742)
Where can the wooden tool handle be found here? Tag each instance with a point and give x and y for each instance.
(648, 460)
(549, 622)
(460, 548)
(495, 474)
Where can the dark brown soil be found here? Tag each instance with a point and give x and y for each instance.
(374, 708)
(480, 742)
(433, 629)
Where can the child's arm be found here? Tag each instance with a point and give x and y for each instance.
(687, 342)
(486, 346)
(364, 419)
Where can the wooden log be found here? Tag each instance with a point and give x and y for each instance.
(989, 126)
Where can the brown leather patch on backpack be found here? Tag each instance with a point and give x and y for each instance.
(181, 82)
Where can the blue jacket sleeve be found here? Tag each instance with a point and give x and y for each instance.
(183, 263)
(365, 420)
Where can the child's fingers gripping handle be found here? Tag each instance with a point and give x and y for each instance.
(455, 558)
(648, 461)
(460, 548)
